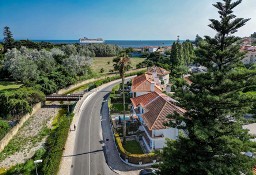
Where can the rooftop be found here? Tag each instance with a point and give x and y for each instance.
(160, 71)
(143, 83)
(156, 112)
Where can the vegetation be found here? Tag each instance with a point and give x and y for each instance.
(134, 158)
(107, 63)
(4, 128)
(55, 145)
(27, 168)
(253, 35)
(117, 107)
(103, 50)
(47, 70)
(215, 104)
(4, 85)
(16, 102)
(122, 64)
(181, 55)
(133, 147)
(8, 39)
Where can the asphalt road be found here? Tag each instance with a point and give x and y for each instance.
(89, 156)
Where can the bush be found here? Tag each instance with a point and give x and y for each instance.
(54, 146)
(4, 128)
(134, 158)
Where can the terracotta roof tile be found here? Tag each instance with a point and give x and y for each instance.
(143, 100)
(143, 82)
(160, 71)
(156, 112)
(254, 170)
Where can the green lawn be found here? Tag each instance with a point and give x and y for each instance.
(8, 85)
(102, 62)
(118, 108)
(133, 147)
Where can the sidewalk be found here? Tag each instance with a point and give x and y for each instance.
(112, 155)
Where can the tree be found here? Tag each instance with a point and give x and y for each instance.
(121, 63)
(198, 40)
(8, 38)
(215, 103)
(177, 61)
(253, 35)
(188, 52)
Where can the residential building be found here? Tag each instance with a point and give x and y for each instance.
(152, 110)
(250, 56)
(159, 73)
(156, 79)
(144, 84)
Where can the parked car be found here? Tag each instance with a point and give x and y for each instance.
(148, 171)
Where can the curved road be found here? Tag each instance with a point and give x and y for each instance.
(89, 156)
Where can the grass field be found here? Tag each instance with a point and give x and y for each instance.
(8, 85)
(102, 62)
(133, 147)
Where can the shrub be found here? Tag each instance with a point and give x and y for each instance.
(134, 158)
(4, 128)
(55, 144)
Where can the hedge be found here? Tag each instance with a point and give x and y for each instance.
(134, 158)
(55, 145)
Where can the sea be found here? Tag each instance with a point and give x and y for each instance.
(121, 43)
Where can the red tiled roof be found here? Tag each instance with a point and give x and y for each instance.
(160, 71)
(254, 170)
(156, 112)
(143, 100)
(143, 82)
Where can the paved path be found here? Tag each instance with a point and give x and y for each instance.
(112, 155)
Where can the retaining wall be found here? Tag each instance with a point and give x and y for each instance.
(7, 138)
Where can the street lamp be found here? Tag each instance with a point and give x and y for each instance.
(35, 162)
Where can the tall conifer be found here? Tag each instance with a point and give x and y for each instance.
(8, 38)
(214, 141)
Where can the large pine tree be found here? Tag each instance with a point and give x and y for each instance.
(214, 141)
(8, 39)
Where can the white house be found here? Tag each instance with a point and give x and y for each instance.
(144, 84)
(155, 79)
(250, 57)
(159, 73)
(152, 49)
(152, 109)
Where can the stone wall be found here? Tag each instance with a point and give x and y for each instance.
(16, 128)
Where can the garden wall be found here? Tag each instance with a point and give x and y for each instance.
(15, 129)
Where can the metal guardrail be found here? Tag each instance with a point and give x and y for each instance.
(60, 97)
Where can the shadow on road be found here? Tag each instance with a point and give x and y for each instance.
(84, 153)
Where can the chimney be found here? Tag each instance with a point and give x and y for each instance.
(152, 86)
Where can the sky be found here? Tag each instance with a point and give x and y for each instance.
(115, 19)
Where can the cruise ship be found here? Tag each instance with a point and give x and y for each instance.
(89, 41)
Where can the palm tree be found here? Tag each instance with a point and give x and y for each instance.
(122, 63)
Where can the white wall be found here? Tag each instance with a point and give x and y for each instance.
(160, 142)
(141, 93)
(250, 58)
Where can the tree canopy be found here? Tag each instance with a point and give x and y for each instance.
(8, 40)
(214, 140)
